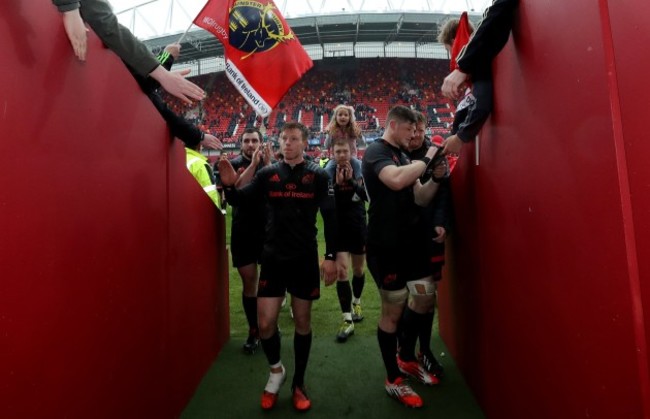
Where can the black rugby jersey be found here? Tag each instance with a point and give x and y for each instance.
(350, 199)
(252, 217)
(440, 210)
(292, 196)
(392, 215)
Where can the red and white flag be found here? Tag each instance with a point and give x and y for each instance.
(263, 56)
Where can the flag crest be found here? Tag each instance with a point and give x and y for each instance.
(263, 56)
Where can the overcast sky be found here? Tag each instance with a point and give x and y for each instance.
(152, 18)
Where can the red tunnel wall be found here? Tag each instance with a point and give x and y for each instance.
(113, 277)
(544, 306)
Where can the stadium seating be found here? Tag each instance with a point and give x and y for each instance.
(371, 86)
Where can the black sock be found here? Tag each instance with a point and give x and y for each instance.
(388, 348)
(357, 285)
(408, 334)
(424, 335)
(301, 348)
(250, 309)
(344, 292)
(271, 348)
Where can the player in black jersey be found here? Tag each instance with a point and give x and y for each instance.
(350, 196)
(247, 229)
(396, 248)
(436, 217)
(292, 191)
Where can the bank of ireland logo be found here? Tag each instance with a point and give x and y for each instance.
(256, 27)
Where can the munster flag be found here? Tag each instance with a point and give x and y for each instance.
(263, 56)
(461, 39)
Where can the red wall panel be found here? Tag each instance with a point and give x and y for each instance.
(553, 327)
(89, 325)
(628, 35)
(198, 315)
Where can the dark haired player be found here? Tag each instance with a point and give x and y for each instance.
(247, 229)
(396, 250)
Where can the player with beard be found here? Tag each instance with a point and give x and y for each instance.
(247, 229)
(436, 216)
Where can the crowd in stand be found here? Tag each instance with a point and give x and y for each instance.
(225, 114)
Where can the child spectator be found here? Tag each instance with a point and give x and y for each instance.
(344, 125)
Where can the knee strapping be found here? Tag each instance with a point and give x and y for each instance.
(421, 287)
(397, 296)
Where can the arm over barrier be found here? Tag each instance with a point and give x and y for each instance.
(545, 302)
(113, 274)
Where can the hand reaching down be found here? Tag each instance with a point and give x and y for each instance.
(452, 145)
(454, 84)
(174, 83)
(212, 142)
(77, 33)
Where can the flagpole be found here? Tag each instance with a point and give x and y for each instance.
(183, 36)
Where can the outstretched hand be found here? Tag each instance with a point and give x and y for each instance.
(174, 83)
(210, 141)
(77, 33)
(226, 172)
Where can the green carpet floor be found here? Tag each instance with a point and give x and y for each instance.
(343, 381)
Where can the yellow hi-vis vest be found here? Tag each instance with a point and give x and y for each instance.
(198, 166)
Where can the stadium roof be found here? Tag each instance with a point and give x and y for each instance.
(315, 22)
